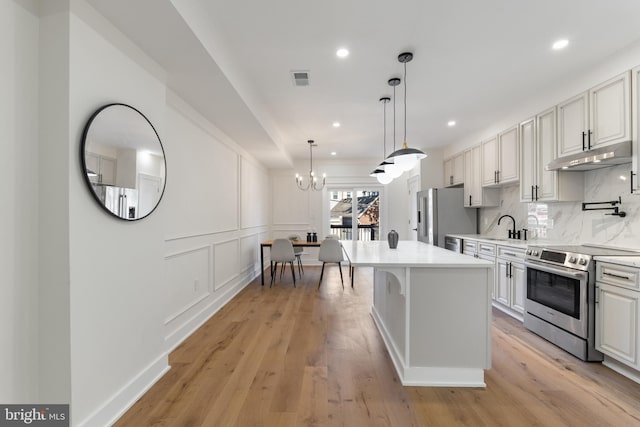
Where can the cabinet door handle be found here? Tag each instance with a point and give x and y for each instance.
(497, 176)
(583, 135)
(589, 140)
(506, 270)
(469, 199)
(617, 276)
(631, 175)
(537, 192)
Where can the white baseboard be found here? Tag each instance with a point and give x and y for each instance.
(128, 395)
(622, 369)
(176, 337)
(124, 398)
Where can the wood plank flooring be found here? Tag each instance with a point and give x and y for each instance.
(306, 357)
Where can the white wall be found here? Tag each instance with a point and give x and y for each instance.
(117, 286)
(90, 304)
(138, 289)
(299, 212)
(53, 198)
(19, 194)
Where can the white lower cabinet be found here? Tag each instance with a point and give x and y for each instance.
(618, 312)
(617, 323)
(482, 250)
(510, 278)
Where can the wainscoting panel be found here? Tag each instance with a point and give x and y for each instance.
(227, 263)
(189, 279)
(249, 252)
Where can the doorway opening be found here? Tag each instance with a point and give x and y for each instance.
(354, 214)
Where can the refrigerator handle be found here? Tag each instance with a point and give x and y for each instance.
(419, 220)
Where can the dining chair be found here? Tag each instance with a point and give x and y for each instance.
(282, 251)
(298, 251)
(330, 252)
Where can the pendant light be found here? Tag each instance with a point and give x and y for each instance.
(389, 164)
(406, 158)
(313, 180)
(379, 173)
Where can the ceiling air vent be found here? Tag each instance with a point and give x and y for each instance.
(300, 77)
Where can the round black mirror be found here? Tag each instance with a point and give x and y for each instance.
(123, 161)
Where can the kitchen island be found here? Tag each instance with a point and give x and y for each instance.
(433, 309)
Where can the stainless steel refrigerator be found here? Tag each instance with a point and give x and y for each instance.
(441, 211)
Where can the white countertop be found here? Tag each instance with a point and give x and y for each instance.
(631, 261)
(514, 243)
(408, 254)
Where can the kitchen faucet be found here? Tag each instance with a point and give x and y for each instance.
(513, 234)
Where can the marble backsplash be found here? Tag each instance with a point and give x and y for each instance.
(565, 221)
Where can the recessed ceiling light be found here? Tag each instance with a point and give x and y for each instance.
(560, 44)
(336, 124)
(342, 52)
(451, 123)
(333, 153)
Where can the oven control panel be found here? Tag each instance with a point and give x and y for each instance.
(558, 257)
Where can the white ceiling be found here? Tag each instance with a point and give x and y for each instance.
(473, 62)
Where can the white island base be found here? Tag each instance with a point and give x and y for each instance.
(433, 310)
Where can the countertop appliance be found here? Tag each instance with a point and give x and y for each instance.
(561, 296)
(453, 244)
(441, 211)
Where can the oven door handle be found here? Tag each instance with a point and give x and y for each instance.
(580, 275)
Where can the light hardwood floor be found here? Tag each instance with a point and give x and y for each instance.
(309, 357)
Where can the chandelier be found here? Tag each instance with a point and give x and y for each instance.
(312, 181)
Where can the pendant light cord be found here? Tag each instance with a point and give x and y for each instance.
(404, 140)
(394, 119)
(384, 130)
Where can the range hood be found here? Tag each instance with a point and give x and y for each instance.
(597, 158)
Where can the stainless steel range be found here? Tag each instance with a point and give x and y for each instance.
(560, 295)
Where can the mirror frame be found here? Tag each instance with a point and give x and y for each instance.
(83, 162)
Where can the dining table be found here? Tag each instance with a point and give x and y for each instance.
(295, 243)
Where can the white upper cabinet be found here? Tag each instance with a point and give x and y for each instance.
(474, 194)
(538, 148)
(489, 161)
(500, 158)
(454, 170)
(596, 118)
(610, 111)
(508, 156)
(573, 124)
(635, 82)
